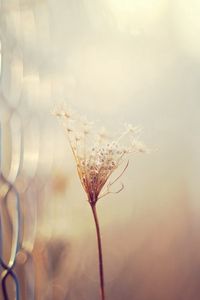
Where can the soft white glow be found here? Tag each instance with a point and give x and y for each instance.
(187, 24)
(136, 15)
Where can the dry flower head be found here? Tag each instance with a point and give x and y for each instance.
(97, 155)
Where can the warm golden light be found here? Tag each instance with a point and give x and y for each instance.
(116, 62)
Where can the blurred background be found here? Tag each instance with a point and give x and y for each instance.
(116, 61)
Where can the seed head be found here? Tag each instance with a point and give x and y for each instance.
(97, 159)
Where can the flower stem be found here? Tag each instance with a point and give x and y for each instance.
(101, 272)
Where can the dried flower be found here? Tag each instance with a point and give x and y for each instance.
(96, 156)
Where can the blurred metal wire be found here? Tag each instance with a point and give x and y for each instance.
(25, 151)
(11, 158)
(10, 216)
(11, 152)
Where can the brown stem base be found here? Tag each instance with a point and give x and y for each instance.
(101, 272)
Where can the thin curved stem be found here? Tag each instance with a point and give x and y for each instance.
(100, 253)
